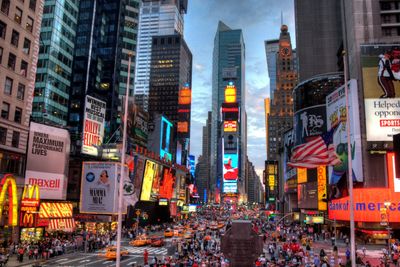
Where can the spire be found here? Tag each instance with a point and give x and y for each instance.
(222, 27)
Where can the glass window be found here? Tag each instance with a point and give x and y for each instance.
(18, 15)
(8, 86)
(3, 135)
(15, 139)
(3, 29)
(21, 91)
(24, 68)
(18, 115)
(15, 38)
(27, 46)
(5, 110)
(11, 61)
(29, 24)
(32, 4)
(5, 6)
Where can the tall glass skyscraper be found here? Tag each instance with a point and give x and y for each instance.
(271, 50)
(156, 18)
(54, 69)
(228, 66)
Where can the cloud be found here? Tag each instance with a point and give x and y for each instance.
(198, 67)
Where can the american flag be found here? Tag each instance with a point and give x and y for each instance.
(317, 151)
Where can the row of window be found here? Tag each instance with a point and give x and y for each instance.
(5, 112)
(14, 140)
(17, 18)
(11, 63)
(8, 88)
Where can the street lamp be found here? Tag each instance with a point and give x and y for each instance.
(387, 205)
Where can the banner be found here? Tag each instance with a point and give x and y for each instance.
(322, 190)
(99, 188)
(93, 125)
(47, 160)
(148, 177)
(380, 65)
(336, 117)
(308, 122)
(288, 144)
(50, 210)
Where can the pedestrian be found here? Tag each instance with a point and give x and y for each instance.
(21, 254)
(146, 257)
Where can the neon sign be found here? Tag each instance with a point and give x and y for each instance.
(8, 182)
(230, 126)
(230, 93)
(29, 205)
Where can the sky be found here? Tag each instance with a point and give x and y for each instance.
(259, 20)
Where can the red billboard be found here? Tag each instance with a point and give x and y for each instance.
(167, 184)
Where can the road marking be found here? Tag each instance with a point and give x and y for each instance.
(61, 260)
(107, 262)
(84, 261)
(132, 262)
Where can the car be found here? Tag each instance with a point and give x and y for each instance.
(168, 233)
(178, 233)
(111, 253)
(188, 235)
(157, 241)
(140, 241)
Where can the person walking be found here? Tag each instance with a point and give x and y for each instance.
(146, 257)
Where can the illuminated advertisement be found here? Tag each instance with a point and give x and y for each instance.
(184, 109)
(322, 191)
(192, 208)
(230, 169)
(381, 75)
(148, 177)
(314, 220)
(185, 96)
(288, 143)
(301, 175)
(47, 160)
(230, 126)
(308, 122)
(155, 187)
(163, 202)
(55, 210)
(230, 93)
(307, 195)
(167, 184)
(336, 118)
(137, 124)
(138, 174)
(229, 186)
(8, 185)
(192, 165)
(271, 174)
(93, 125)
(29, 206)
(165, 150)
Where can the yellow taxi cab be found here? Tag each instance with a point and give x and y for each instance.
(220, 225)
(168, 233)
(111, 253)
(140, 241)
(188, 235)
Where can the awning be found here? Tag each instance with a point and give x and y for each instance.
(66, 225)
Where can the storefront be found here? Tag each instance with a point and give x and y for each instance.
(93, 223)
(56, 217)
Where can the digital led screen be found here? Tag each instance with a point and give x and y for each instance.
(148, 177)
(230, 167)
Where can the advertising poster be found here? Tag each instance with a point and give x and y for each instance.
(137, 122)
(381, 75)
(307, 195)
(149, 172)
(47, 160)
(336, 118)
(93, 125)
(322, 190)
(230, 167)
(138, 174)
(165, 147)
(155, 188)
(230, 126)
(309, 122)
(288, 144)
(229, 187)
(167, 184)
(184, 110)
(99, 188)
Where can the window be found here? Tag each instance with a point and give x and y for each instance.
(3, 29)
(21, 91)
(18, 115)
(1, 54)
(24, 68)
(15, 139)
(3, 135)
(8, 86)
(11, 61)
(5, 6)
(5, 110)
(15, 38)
(32, 4)
(29, 24)
(27, 46)
(18, 15)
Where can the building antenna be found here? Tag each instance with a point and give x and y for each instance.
(281, 17)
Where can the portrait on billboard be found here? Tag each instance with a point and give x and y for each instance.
(308, 122)
(148, 177)
(231, 170)
(381, 83)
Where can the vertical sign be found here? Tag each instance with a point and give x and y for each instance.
(93, 125)
(322, 192)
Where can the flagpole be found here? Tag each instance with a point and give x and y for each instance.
(121, 180)
(349, 167)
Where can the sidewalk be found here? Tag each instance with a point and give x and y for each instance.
(13, 262)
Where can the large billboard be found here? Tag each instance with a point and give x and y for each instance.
(336, 117)
(308, 122)
(93, 125)
(307, 195)
(138, 174)
(137, 122)
(167, 183)
(147, 184)
(381, 75)
(288, 143)
(99, 187)
(47, 160)
(155, 188)
(165, 139)
(184, 110)
(230, 167)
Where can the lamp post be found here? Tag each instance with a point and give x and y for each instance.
(387, 205)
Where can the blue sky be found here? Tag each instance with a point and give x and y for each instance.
(259, 20)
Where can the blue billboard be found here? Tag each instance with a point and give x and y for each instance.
(192, 165)
(166, 129)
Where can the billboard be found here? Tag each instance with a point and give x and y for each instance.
(336, 117)
(165, 139)
(155, 187)
(230, 93)
(230, 167)
(288, 143)
(138, 174)
(307, 195)
(93, 125)
(381, 72)
(308, 122)
(99, 187)
(167, 184)
(229, 186)
(47, 160)
(322, 190)
(149, 172)
(230, 126)
(192, 165)
(50, 210)
(137, 122)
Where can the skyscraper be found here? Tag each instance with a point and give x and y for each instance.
(318, 36)
(228, 70)
(54, 73)
(19, 47)
(271, 51)
(156, 18)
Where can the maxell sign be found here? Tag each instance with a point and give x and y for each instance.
(47, 160)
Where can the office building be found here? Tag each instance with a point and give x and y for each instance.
(19, 47)
(56, 54)
(271, 51)
(318, 36)
(156, 18)
(228, 72)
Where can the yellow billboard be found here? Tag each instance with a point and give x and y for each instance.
(148, 176)
(301, 175)
(322, 192)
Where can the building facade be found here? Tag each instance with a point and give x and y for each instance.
(54, 72)
(156, 18)
(228, 67)
(19, 47)
(271, 51)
